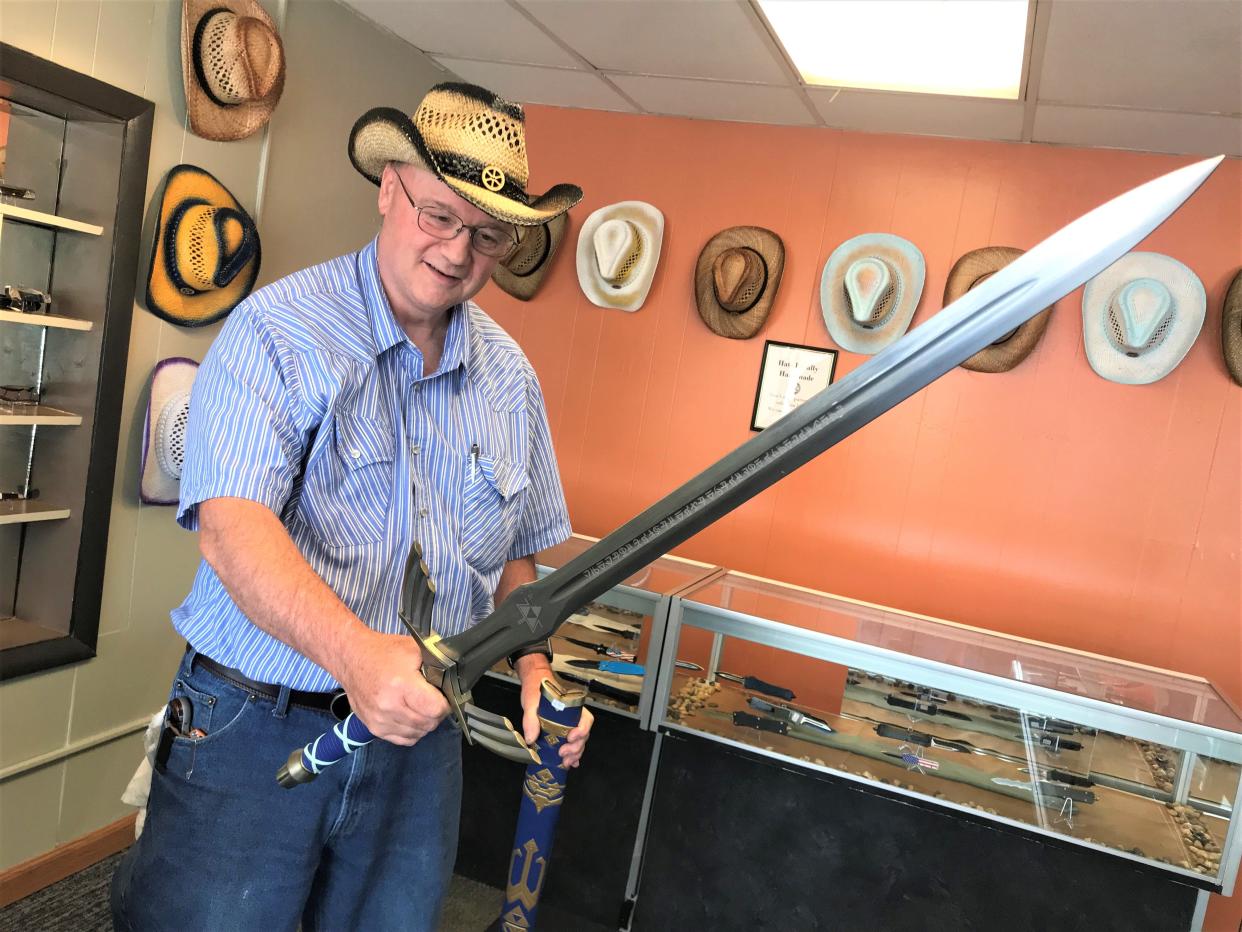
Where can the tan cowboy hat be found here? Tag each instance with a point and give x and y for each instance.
(977, 266)
(736, 279)
(1231, 328)
(205, 250)
(1140, 316)
(232, 66)
(163, 431)
(521, 272)
(618, 251)
(869, 290)
(472, 140)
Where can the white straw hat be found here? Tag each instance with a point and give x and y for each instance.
(869, 290)
(618, 250)
(163, 431)
(1140, 316)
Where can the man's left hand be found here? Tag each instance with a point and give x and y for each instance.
(532, 669)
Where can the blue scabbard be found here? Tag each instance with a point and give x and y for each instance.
(543, 789)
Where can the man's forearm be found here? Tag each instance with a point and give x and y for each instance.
(271, 582)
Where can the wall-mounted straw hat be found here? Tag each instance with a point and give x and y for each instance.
(978, 266)
(163, 431)
(522, 271)
(618, 250)
(1231, 328)
(232, 67)
(1140, 316)
(205, 251)
(472, 140)
(736, 279)
(869, 290)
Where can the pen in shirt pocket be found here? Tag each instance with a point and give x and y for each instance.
(474, 460)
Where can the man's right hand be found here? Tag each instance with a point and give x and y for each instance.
(382, 675)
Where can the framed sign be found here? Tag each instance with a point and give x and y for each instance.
(788, 375)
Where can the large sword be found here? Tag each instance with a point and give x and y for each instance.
(533, 612)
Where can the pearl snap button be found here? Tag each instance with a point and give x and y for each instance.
(355, 453)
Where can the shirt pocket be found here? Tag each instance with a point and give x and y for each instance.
(348, 490)
(492, 501)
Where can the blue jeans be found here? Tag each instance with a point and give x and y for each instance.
(368, 845)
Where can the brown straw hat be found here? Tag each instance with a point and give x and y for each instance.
(1231, 328)
(736, 279)
(232, 66)
(472, 140)
(521, 272)
(974, 267)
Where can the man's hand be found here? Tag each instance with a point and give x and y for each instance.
(532, 669)
(382, 674)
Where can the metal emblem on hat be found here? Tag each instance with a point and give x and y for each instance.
(493, 178)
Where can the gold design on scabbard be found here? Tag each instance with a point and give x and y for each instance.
(542, 789)
(519, 890)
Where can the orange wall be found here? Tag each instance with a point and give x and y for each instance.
(1044, 502)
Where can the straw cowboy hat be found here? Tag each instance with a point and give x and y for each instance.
(232, 66)
(1140, 316)
(869, 290)
(736, 279)
(163, 431)
(204, 253)
(1231, 328)
(977, 266)
(521, 272)
(472, 140)
(618, 250)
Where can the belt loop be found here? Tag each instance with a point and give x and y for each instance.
(282, 703)
(191, 653)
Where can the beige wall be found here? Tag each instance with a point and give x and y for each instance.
(311, 205)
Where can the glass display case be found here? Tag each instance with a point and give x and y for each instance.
(1139, 762)
(606, 645)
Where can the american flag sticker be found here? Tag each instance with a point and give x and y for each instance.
(925, 762)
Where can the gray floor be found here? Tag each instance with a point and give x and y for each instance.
(80, 904)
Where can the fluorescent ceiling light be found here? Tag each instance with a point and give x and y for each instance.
(969, 48)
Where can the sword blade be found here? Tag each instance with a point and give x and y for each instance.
(1038, 278)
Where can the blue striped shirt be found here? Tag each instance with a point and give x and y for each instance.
(313, 402)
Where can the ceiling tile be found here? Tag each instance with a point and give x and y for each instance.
(1143, 54)
(528, 84)
(879, 112)
(1180, 133)
(711, 100)
(486, 29)
(665, 37)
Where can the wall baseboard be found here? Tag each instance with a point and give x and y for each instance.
(31, 876)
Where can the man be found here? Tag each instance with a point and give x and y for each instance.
(343, 413)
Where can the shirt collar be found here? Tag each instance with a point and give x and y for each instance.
(385, 330)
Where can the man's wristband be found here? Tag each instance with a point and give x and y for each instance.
(543, 647)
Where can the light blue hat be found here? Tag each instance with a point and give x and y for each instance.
(1140, 316)
(869, 290)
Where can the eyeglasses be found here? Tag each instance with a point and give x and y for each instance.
(24, 300)
(442, 224)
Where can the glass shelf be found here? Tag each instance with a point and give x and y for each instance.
(26, 512)
(51, 221)
(46, 320)
(38, 414)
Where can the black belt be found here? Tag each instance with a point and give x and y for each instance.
(322, 702)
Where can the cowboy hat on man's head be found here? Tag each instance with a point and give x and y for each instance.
(469, 138)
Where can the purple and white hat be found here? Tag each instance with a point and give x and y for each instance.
(163, 431)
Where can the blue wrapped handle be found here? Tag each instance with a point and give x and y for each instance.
(333, 746)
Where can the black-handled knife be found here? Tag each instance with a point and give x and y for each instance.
(1062, 776)
(758, 685)
(603, 689)
(746, 720)
(926, 708)
(606, 650)
(792, 716)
